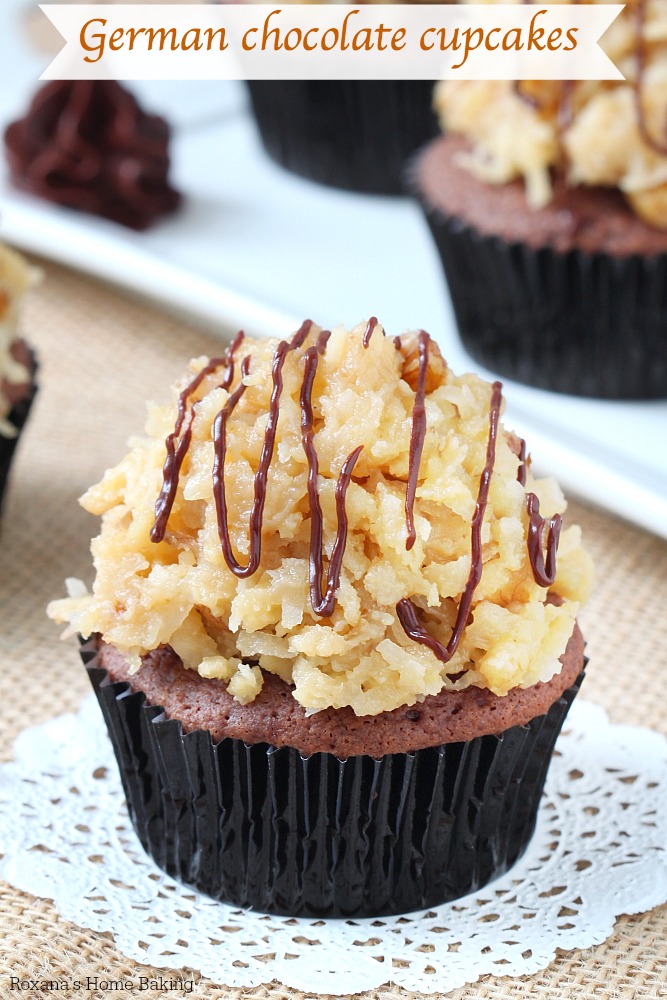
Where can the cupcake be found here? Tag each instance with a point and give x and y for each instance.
(351, 134)
(88, 145)
(17, 362)
(548, 205)
(333, 626)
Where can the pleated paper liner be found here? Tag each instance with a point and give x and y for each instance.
(316, 836)
(587, 324)
(17, 418)
(351, 134)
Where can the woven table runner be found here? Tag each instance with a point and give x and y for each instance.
(102, 354)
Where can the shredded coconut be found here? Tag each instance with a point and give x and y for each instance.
(515, 131)
(181, 592)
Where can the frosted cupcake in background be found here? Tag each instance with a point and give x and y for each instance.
(548, 204)
(333, 626)
(351, 134)
(17, 362)
(88, 145)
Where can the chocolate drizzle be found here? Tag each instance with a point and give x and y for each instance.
(177, 452)
(322, 597)
(564, 115)
(417, 436)
(87, 144)
(368, 332)
(299, 337)
(406, 610)
(261, 476)
(544, 569)
(322, 604)
(220, 444)
(521, 471)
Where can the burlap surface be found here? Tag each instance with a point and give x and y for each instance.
(102, 354)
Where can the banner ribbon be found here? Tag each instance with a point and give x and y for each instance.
(332, 41)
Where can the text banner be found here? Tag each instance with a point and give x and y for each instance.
(332, 41)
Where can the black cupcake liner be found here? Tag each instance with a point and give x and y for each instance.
(587, 324)
(17, 417)
(316, 836)
(350, 134)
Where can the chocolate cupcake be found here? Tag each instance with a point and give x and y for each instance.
(17, 362)
(327, 631)
(351, 134)
(548, 205)
(88, 145)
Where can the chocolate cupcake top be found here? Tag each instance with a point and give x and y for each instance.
(15, 278)
(597, 133)
(340, 510)
(87, 144)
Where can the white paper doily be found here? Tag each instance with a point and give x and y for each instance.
(600, 850)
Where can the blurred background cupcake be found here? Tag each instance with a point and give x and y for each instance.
(548, 204)
(17, 362)
(88, 145)
(351, 134)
